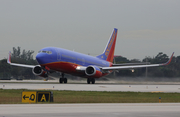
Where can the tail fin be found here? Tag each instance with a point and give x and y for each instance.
(108, 53)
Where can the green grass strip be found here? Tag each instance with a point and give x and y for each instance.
(13, 96)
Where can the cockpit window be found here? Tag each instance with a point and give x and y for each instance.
(43, 51)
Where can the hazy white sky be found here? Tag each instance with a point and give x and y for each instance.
(145, 27)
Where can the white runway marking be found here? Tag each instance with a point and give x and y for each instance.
(88, 87)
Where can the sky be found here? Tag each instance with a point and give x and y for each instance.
(145, 27)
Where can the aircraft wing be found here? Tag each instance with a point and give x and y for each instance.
(15, 64)
(135, 66)
(128, 64)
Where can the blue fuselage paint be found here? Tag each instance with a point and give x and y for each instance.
(58, 57)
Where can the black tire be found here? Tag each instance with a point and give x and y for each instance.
(88, 80)
(60, 80)
(93, 81)
(65, 80)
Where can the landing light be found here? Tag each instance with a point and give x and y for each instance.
(78, 67)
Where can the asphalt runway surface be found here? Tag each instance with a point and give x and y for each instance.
(91, 110)
(54, 85)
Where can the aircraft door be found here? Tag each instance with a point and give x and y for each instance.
(58, 54)
(83, 61)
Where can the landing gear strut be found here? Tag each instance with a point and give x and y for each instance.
(62, 79)
(89, 80)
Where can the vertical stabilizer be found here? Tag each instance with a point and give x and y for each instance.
(108, 53)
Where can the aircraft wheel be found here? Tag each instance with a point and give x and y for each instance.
(60, 80)
(88, 80)
(93, 81)
(65, 80)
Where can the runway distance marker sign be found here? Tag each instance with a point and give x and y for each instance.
(43, 96)
(29, 96)
(37, 96)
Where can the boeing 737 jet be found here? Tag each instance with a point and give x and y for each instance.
(78, 64)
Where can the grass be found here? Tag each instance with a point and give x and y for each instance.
(12, 96)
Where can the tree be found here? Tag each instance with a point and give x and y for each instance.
(120, 59)
(5, 69)
(16, 52)
(26, 57)
(171, 70)
(177, 66)
(161, 58)
(162, 71)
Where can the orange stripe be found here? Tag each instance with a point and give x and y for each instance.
(111, 53)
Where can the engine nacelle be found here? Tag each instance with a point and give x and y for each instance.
(38, 71)
(93, 71)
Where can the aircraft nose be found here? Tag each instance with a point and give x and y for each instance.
(39, 58)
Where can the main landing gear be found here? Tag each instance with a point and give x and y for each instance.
(62, 79)
(89, 80)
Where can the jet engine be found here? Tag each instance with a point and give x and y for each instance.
(38, 71)
(93, 71)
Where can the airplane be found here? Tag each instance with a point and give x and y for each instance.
(78, 64)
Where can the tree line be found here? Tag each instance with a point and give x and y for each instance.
(171, 70)
(17, 56)
(26, 57)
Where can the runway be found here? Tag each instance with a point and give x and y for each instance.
(89, 110)
(42, 85)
